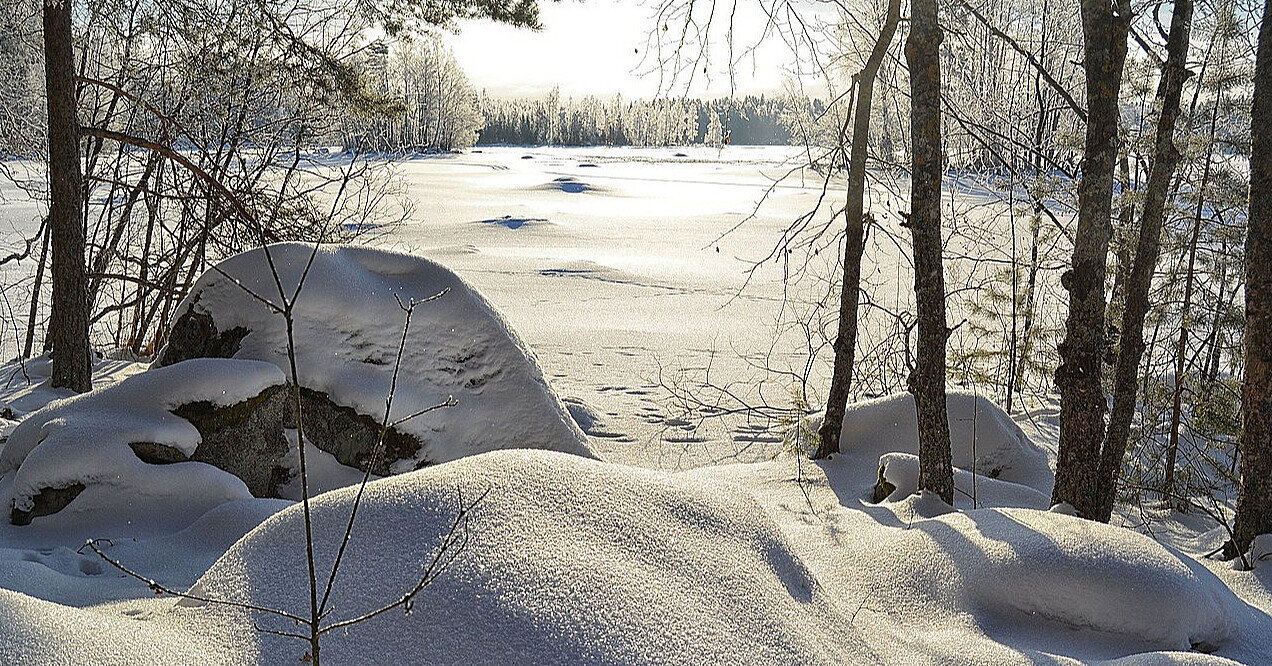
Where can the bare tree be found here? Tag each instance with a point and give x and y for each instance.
(1161, 172)
(1080, 376)
(927, 380)
(854, 241)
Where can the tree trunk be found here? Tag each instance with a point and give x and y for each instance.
(1082, 404)
(1181, 350)
(927, 380)
(1254, 503)
(29, 345)
(854, 239)
(1161, 172)
(68, 319)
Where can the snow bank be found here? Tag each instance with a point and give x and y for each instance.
(85, 440)
(997, 586)
(982, 436)
(570, 561)
(348, 329)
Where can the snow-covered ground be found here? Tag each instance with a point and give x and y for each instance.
(609, 263)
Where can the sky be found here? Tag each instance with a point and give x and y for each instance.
(596, 48)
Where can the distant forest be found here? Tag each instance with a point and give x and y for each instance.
(591, 121)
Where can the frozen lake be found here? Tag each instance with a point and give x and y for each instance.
(638, 275)
(611, 263)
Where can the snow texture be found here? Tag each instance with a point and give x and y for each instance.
(85, 439)
(576, 561)
(348, 330)
(570, 561)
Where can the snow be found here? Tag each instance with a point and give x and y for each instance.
(571, 560)
(577, 561)
(982, 437)
(348, 330)
(996, 586)
(901, 470)
(24, 386)
(85, 439)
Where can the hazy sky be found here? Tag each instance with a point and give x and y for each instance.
(595, 48)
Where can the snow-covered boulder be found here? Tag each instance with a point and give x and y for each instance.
(982, 437)
(348, 329)
(566, 561)
(188, 436)
(899, 478)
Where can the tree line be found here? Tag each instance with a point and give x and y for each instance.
(594, 121)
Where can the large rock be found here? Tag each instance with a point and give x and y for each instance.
(152, 440)
(348, 329)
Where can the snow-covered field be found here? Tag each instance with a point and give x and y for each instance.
(609, 265)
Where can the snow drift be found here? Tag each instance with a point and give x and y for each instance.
(982, 437)
(570, 561)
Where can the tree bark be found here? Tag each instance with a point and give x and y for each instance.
(1254, 502)
(927, 379)
(1161, 171)
(854, 240)
(1078, 378)
(68, 318)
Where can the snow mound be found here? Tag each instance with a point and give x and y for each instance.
(901, 472)
(569, 561)
(348, 329)
(569, 185)
(85, 440)
(997, 586)
(42, 633)
(1015, 567)
(982, 436)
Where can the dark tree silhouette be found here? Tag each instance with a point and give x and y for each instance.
(68, 318)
